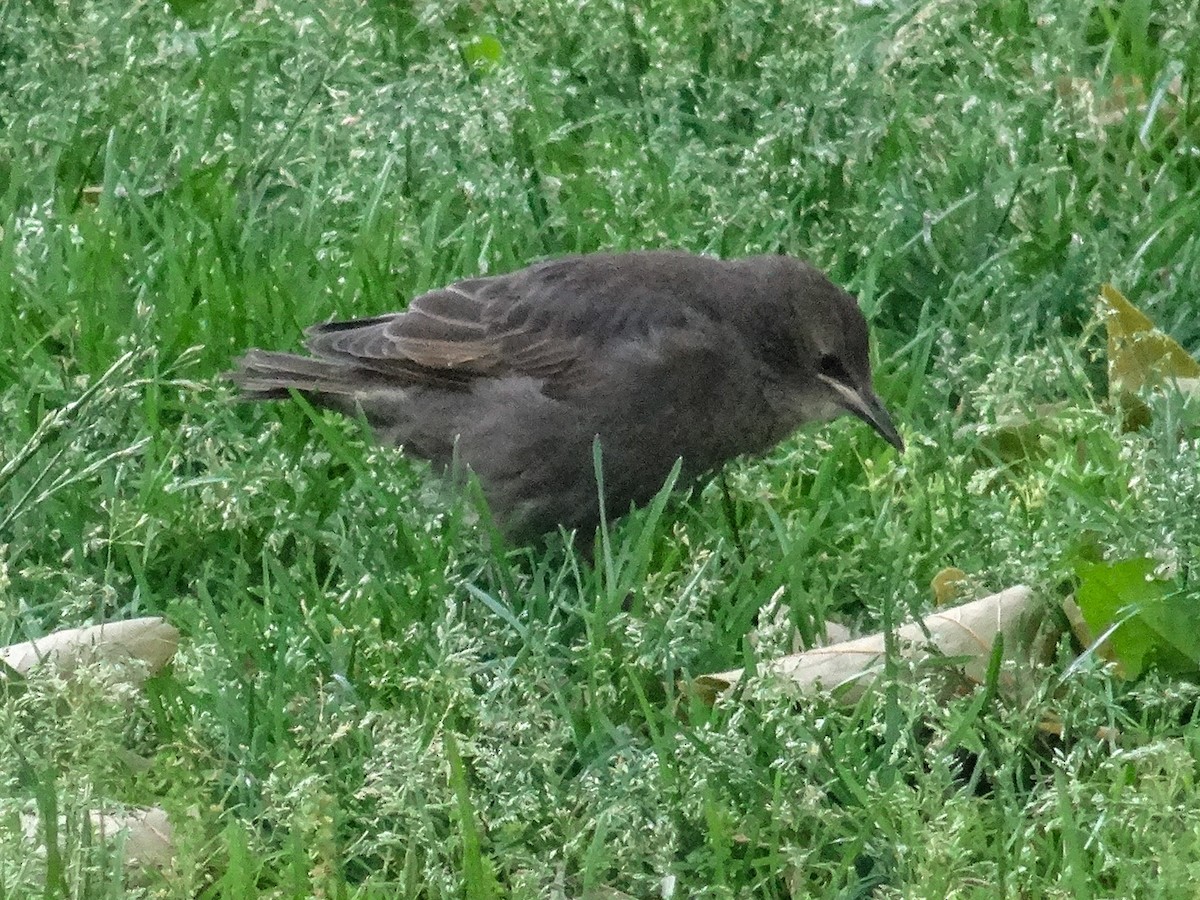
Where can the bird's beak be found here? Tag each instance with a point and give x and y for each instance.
(868, 407)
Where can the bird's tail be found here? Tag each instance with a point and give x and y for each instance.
(267, 375)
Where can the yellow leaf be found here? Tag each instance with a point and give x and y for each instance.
(1139, 355)
(948, 585)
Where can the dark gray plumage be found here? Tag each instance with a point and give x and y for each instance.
(663, 355)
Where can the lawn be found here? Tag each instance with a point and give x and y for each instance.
(369, 700)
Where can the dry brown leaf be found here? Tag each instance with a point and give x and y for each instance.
(1124, 97)
(148, 840)
(774, 615)
(149, 640)
(1079, 626)
(145, 836)
(835, 633)
(963, 631)
(1052, 725)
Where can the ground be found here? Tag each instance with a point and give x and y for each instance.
(371, 701)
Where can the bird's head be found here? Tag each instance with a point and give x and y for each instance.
(822, 355)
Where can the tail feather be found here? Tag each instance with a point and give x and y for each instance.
(342, 386)
(268, 375)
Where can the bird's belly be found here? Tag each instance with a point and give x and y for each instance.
(534, 454)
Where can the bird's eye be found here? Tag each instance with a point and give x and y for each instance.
(831, 367)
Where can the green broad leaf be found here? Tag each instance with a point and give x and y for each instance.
(483, 50)
(1150, 625)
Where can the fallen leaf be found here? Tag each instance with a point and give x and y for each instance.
(1020, 436)
(1123, 98)
(1079, 626)
(1053, 726)
(966, 632)
(149, 640)
(147, 840)
(1141, 357)
(144, 836)
(948, 585)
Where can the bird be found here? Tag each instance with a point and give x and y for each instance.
(658, 355)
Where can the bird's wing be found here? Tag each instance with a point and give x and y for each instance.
(539, 322)
(448, 336)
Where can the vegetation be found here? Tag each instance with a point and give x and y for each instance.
(369, 700)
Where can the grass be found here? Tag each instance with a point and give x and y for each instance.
(368, 701)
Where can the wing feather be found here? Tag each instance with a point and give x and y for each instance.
(449, 336)
(551, 321)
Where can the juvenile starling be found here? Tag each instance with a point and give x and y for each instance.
(662, 355)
